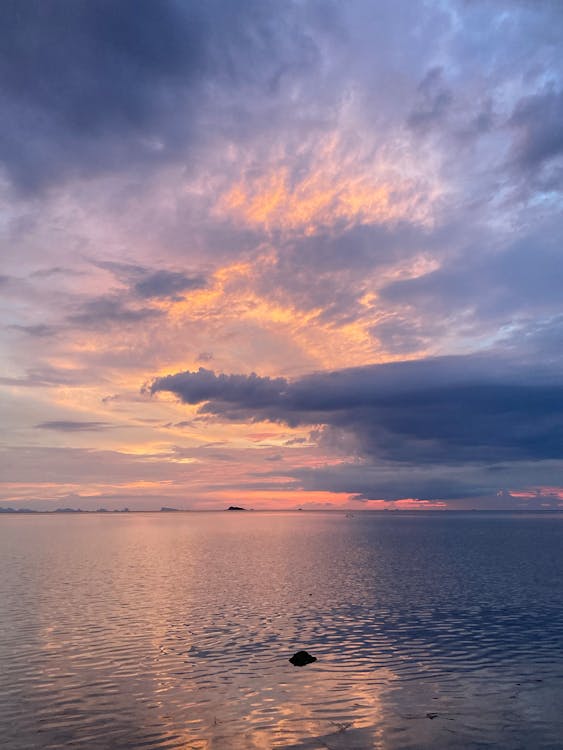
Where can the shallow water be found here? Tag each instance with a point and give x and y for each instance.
(175, 630)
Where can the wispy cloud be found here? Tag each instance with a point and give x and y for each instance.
(70, 426)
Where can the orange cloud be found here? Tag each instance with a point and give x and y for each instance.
(338, 183)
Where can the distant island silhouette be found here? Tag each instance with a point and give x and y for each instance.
(385, 511)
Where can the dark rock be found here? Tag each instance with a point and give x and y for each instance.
(235, 507)
(431, 715)
(301, 658)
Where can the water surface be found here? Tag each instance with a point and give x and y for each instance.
(174, 631)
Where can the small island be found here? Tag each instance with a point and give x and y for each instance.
(235, 507)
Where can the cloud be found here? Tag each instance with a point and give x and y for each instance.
(47, 376)
(86, 84)
(45, 273)
(130, 305)
(485, 485)
(427, 428)
(385, 482)
(39, 330)
(399, 335)
(167, 284)
(205, 356)
(245, 391)
(72, 426)
(148, 283)
(89, 88)
(434, 99)
(446, 410)
(486, 289)
(110, 309)
(285, 188)
(538, 118)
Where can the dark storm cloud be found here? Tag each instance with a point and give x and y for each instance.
(88, 86)
(242, 391)
(449, 410)
(84, 83)
(384, 481)
(438, 429)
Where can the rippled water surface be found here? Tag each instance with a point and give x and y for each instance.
(174, 631)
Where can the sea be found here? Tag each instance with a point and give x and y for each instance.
(174, 630)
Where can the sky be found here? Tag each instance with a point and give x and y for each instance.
(281, 254)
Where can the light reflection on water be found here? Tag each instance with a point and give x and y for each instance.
(174, 631)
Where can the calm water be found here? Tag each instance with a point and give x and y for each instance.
(174, 631)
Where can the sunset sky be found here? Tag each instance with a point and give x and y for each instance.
(281, 254)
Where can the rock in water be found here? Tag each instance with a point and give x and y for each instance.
(301, 658)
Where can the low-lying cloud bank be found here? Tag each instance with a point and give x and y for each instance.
(444, 427)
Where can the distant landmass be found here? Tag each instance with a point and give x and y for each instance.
(67, 510)
(235, 507)
(17, 510)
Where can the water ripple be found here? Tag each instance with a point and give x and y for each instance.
(143, 632)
